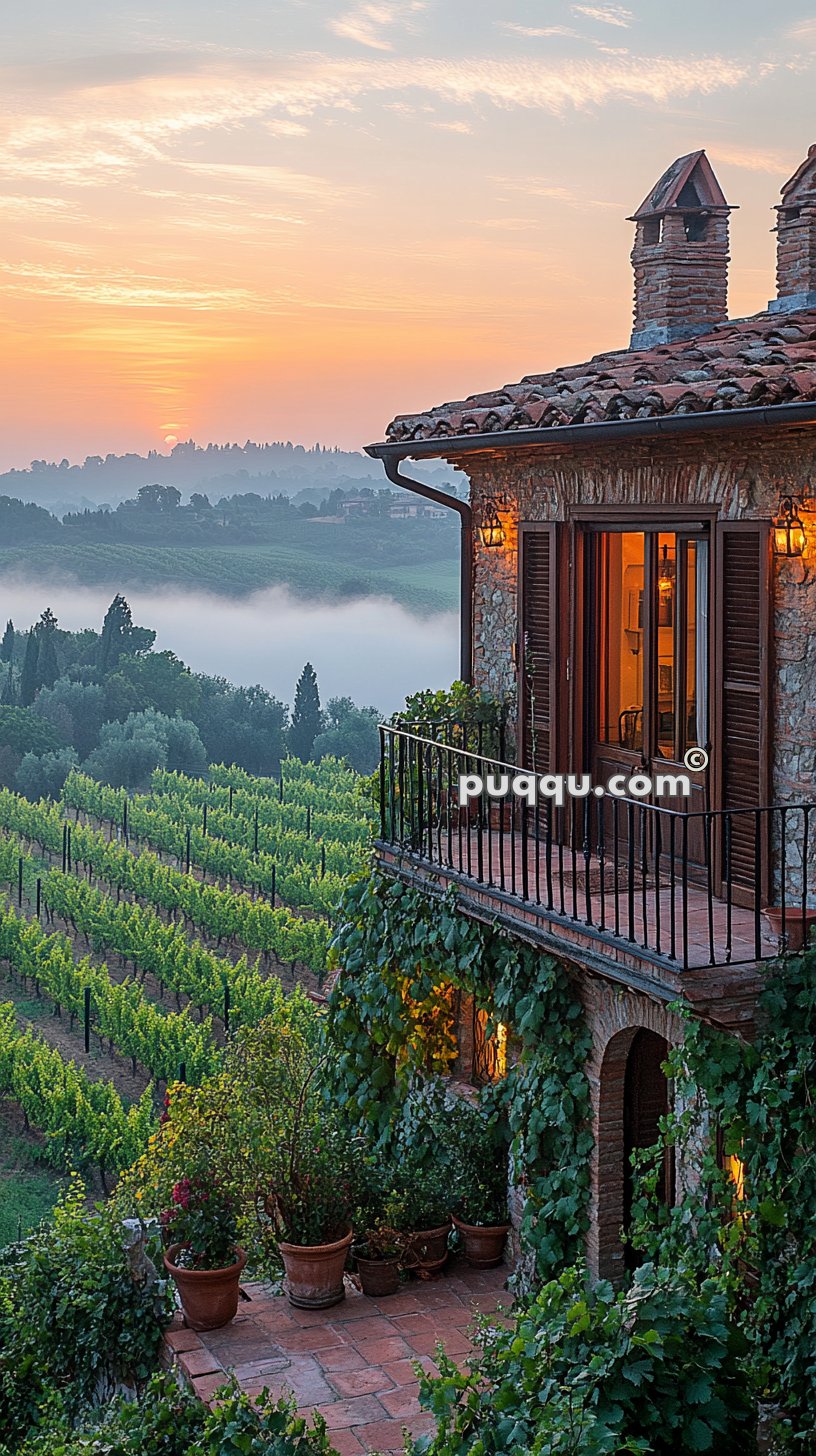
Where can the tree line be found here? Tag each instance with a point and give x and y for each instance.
(110, 703)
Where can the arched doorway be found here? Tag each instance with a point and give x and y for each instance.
(633, 1094)
(645, 1102)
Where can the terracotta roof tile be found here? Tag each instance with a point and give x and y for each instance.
(765, 360)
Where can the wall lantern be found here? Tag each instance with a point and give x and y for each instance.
(491, 530)
(789, 533)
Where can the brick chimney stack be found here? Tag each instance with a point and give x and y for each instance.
(680, 255)
(796, 240)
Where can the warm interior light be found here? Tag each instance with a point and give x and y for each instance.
(501, 1049)
(735, 1168)
(665, 579)
(789, 533)
(491, 529)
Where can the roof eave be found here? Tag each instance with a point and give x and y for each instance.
(751, 417)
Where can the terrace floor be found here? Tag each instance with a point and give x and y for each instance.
(671, 924)
(354, 1362)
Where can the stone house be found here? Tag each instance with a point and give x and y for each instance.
(639, 584)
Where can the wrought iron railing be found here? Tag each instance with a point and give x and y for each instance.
(701, 888)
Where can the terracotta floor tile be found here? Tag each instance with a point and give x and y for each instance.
(199, 1362)
(181, 1339)
(314, 1337)
(453, 1340)
(253, 1371)
(375, 1327)
(417, 1324)
(377, 1352)
(360, 1410)
(346, 1443)
(401, 1303)
(382, 1435)
(401, 1403)
(205, 1386)
(307, 1384)
(401, 1372)
(340, 1357)
(368, 1381)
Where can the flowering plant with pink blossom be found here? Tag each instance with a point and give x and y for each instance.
(201, 1218)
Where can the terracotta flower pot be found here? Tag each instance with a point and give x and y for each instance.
(314, 1272)
(378, 1277)
(484, 1244)
(797, 927)
(428, 1249)
(209, 1297)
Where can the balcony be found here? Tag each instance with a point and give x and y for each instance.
(656, 897)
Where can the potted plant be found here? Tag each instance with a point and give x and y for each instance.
(479, 1181)
(379, 1247)
(203, 1258)
(798, 926)
(309, 1178)
(310, 1203)
(379, 1254)
(425, 1215)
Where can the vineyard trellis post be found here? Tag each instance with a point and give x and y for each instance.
(87, 1019)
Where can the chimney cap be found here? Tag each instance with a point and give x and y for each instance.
(688, 185)
(803, 179)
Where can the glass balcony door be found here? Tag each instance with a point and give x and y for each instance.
(647, 689)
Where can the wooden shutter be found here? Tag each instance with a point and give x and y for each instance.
(537, 652)
(743, 616)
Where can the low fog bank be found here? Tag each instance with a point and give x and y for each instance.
(371, 650)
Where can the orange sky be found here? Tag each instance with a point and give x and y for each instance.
(294, 220)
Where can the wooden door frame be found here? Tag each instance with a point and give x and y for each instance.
(647, 518)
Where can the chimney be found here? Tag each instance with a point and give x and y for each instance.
(680, 255)
(796, 241)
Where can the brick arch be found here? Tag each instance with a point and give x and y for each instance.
(615, 1015)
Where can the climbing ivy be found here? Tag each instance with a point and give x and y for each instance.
(752, 1101)
(405, 958)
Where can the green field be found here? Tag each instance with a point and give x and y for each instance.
(315, 569)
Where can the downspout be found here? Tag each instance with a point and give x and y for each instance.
(440, 498)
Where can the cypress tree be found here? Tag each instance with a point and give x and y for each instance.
(116, 630)
(7, 695)
(28, 676)
(7, 644)
(47, 664)
(307, 719)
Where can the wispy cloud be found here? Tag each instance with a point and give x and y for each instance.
(367, 23)
(155, 121)
(569, 196)
(537, 32)
(12, 205)
(753, 159)
(124, 289)
(804, 31)
(607, 14)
